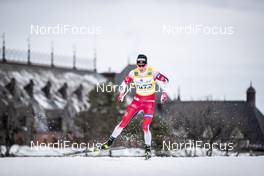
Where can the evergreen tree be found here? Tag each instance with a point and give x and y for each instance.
(98, 122)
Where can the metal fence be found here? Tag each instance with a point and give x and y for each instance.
(42, 58)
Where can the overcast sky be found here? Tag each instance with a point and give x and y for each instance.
(202, 64)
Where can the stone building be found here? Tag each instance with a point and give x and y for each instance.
(228, 120)
(39, 103)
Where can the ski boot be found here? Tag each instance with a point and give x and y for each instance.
(147, 152)
(108, 143)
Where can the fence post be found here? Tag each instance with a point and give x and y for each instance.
(74, 57)
(28, 52)
(94, 61)
(3, 49)
(52, 54)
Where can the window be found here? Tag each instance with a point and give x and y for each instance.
(55, 124)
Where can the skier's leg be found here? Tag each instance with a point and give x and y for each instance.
(147, 134)
(145, 125)
(130, 112)
(148, 109)
(148, 115)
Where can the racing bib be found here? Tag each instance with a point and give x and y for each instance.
(144, 82)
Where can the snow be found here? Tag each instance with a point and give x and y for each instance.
(156, 166)
(29, 151)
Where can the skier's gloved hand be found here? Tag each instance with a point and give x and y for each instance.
(121, 97)
(163, 97)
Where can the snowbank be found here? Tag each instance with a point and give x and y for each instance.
(27, 151)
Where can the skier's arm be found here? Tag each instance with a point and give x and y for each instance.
(123, 88)
(164, 82)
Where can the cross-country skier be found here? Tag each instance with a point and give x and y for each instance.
(144, 78)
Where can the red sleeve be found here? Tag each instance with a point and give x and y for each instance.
(162, 78)
(128, 78)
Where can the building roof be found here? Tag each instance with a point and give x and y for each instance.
(222, 116)
(41, 104)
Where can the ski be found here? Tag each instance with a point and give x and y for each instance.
(80, 152)
(96, 151)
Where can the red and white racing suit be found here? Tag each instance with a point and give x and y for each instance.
(144, 100)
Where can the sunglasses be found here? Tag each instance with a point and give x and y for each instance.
(141, 63)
